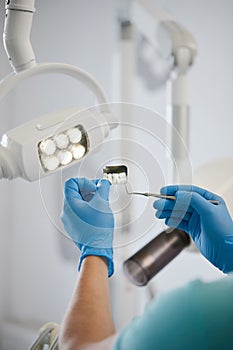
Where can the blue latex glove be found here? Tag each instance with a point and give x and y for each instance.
(209, 225)
(88, 219)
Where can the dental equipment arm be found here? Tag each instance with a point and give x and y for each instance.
(16, 37)
(183, 50)
(178, 47)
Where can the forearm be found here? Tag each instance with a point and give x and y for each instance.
(88, 318)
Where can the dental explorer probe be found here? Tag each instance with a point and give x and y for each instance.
(162, 196)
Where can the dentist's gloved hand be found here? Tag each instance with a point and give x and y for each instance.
(209, 225)
(88, 219)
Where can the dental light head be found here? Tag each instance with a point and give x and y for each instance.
(50, 143)
(56, 140)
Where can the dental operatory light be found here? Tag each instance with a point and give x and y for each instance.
(56, 140)
(51, 142)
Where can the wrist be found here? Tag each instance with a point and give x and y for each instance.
(106, 254)
(95, 263)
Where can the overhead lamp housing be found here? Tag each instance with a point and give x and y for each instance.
(47, 144)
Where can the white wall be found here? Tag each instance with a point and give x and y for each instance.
(36, 279)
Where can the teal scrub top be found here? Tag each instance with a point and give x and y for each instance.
(198, 316)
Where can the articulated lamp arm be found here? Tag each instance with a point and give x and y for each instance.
(178, 46)
(16, 36)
